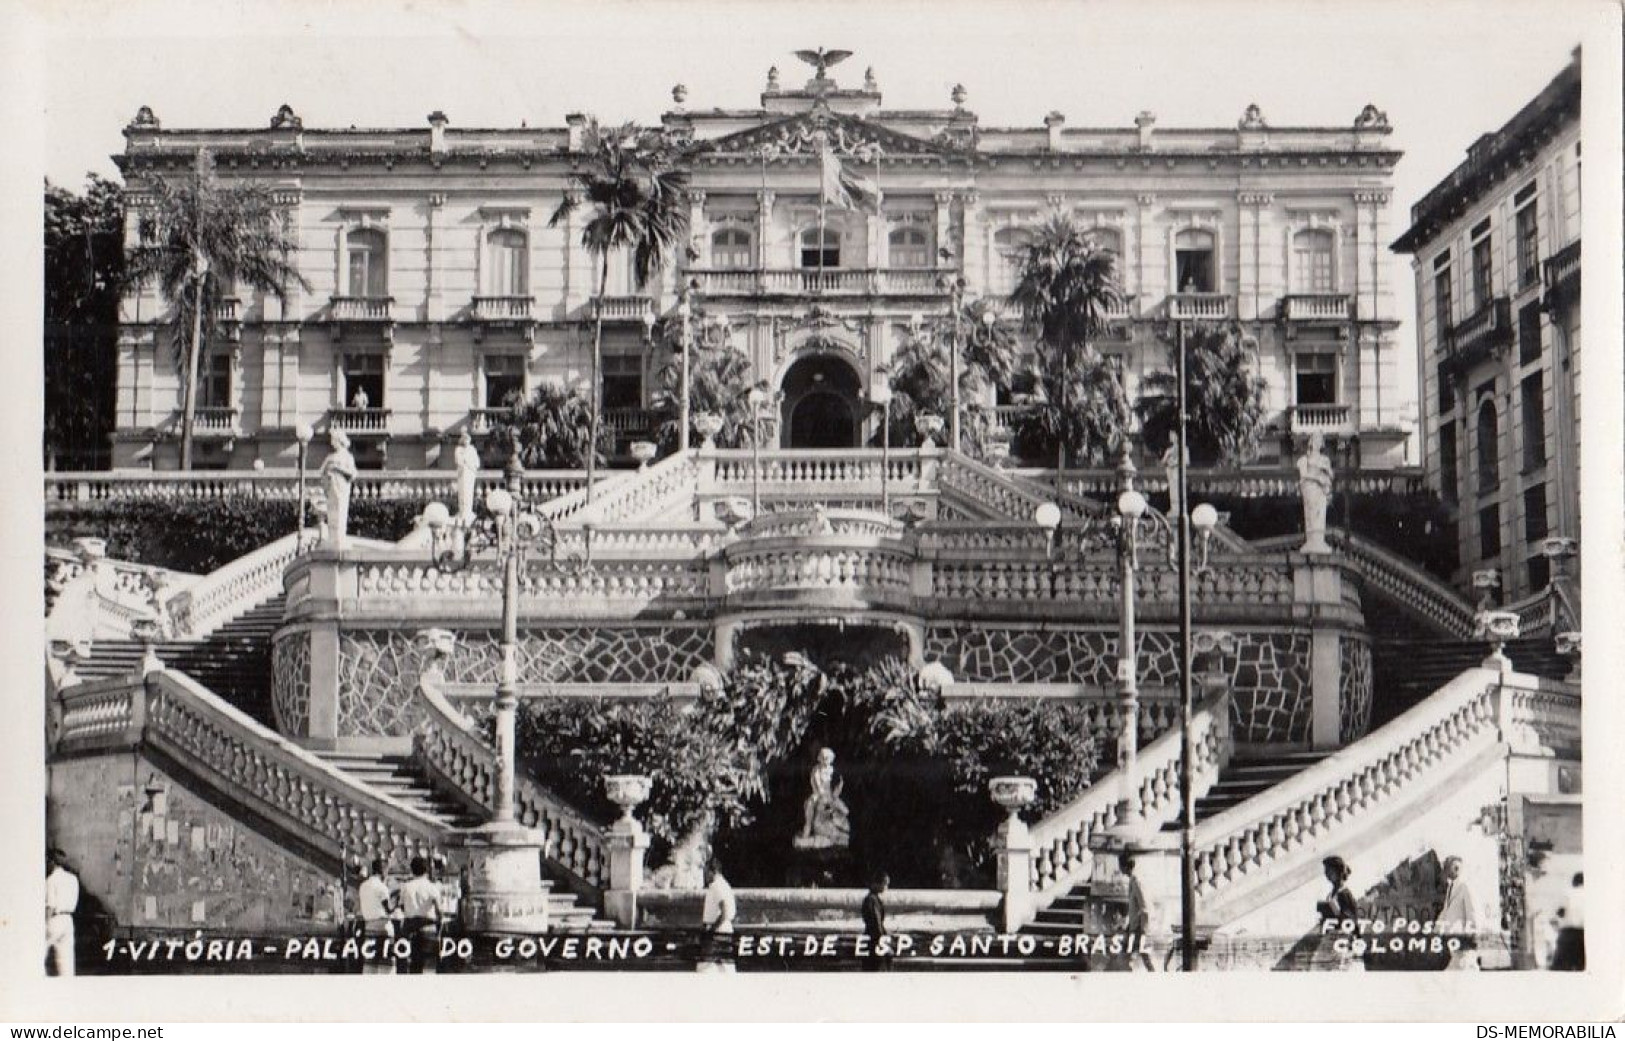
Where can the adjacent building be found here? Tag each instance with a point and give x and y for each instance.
(1496, 251)
(437, 286)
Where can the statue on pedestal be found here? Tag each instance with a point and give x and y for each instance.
(1315, 486)
(825, 820)
(1170, 470)
(467, 459)
(338, 475)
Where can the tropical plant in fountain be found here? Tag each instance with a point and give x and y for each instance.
(1224, 398)
(202, 240)
(636, 202)
(720, 381)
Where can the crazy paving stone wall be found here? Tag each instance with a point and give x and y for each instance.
(1354, 691)
(290, 684)
(153, 852)
(378, 669)
(1269, 671)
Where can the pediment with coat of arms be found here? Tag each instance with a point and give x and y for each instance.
(848, 137)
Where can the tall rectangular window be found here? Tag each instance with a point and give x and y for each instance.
(731, 250)
(1193, 262)
(1532, 409)
(1534, 513)
(1447, 461)
(364, 380)
(506, 249)
(504, 379)
(1540, 572)
(1447, 388)
(1442, 302)
(623, 381)
(1528, 231)
(1312, 261)
(214, 380)
(1529, 334)
(1483, 266)
(1316, 379)
(368, 263)
(1489, 532)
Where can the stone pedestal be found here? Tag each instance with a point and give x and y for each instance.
(505, 891)
(626, 844)
(1015, 850)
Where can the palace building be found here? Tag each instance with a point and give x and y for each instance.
(437, 286)
(1496, 250)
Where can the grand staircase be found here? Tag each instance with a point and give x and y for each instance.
(1406, 671)
(234, 661)
(400, 779)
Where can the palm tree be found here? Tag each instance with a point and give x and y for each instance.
(199, 238)
(1224, 399)
(1065, 284)
(1093, 422)
(638, 202)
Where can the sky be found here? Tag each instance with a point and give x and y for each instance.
(1444, 72)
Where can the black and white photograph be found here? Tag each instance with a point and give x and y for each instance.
(550, 491)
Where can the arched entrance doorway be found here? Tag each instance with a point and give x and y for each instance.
(821, 404)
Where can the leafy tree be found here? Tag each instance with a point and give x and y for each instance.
(1064, 286)
(202, 240)
(637, 201)
(84, 269)
(1224, 398)
(553, 429)
(1093, 422)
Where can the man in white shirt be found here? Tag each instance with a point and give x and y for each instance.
(1457, 915)
(61, 900)
(374, 904)
(717, 920)
(420, 906)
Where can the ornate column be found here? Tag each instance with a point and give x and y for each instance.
(699, 234)
(1142, 235)
(764, 228)
(944, 221)
(976, 242)
(1250, 251)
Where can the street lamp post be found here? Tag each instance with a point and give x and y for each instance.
(684, 310)
(302, 433)
(880, 393)
(510, 876)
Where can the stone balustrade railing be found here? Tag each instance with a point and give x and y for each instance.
(1265, 482)
(247, 762)
(230, 590)
(1408, 583)
(129, 579)
(1536, 612)
(639, 496)
(1061, 842)
(541, 591)
(946, 538)
(1226, 582)
(450, 749)
(816, 468)
(851, 570)
(804, 523)
(1003, 491)
(283, 485)
(1303, 815)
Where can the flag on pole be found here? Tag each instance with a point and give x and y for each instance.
(842, 188)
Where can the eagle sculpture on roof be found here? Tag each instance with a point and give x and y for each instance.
(822, 59)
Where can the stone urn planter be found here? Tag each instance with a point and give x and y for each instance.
(627, 791)
(708, 424)
(643, 452)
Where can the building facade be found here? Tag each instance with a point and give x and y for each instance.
(437, 286)
(1496, 251)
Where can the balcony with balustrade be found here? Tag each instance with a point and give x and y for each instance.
(857, 282)
(482, 421)
(625, 309)
(215, 423)
(1327, 420)
(489, 313)
(360, 422)
(1481, 335)
(1562, 276)
(1199, 307)
(228, 315)
(630, 423)
(1315, 309)
(363, 314)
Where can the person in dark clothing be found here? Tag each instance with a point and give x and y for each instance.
(1570, 955)
(1341, 908)
(874, 925)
